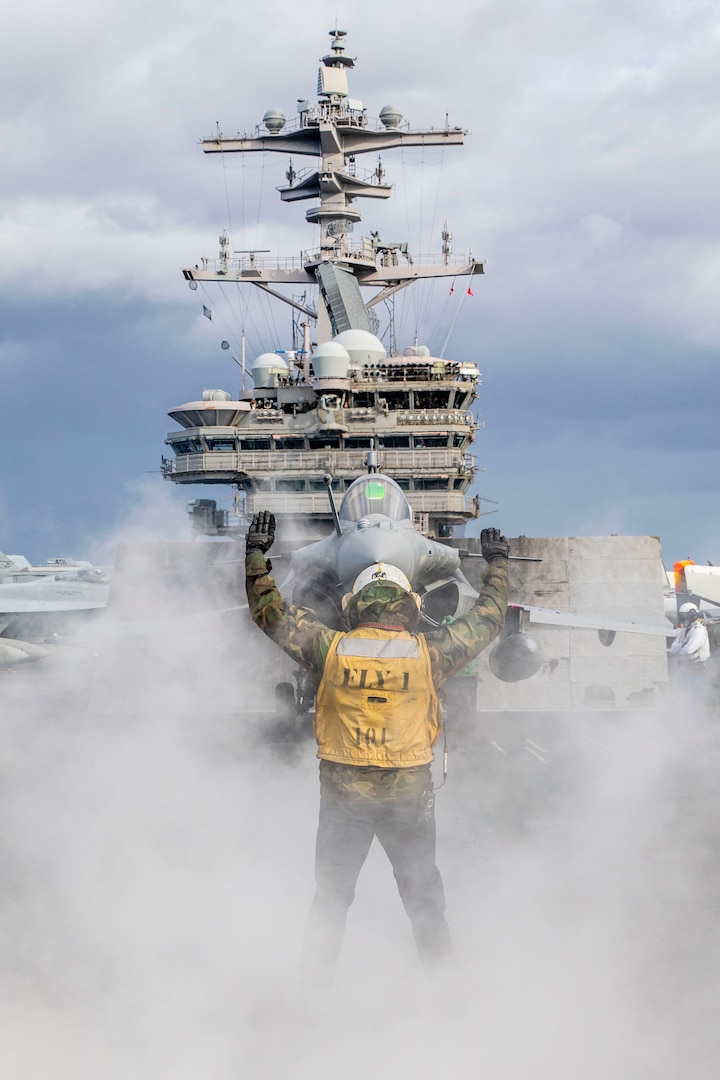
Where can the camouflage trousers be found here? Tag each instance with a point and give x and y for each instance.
(405, 827)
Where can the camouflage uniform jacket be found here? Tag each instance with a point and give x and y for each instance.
(301, 635)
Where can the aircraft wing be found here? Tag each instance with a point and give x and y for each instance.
(704, 581)
(113, 631)
(608, 623)
(34, 607)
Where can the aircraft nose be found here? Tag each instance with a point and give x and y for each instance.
(362, 547)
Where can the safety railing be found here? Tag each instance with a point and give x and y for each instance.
(282, 462)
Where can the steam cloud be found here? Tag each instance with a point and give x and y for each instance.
(156, 872)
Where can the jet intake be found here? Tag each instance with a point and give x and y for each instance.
(439, 602)
(516, 657)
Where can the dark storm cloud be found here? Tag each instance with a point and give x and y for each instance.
(86, 392)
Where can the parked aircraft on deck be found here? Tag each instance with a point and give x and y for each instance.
(38, 603)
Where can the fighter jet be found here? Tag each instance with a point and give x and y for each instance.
(16, 568)
(375, 524)
(34, 610)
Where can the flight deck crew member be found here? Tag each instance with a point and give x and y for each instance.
(377, 719)
(692, 645)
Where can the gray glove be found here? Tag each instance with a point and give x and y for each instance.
(493, 545)
(261, 533)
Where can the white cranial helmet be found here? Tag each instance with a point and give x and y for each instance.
(383, 574)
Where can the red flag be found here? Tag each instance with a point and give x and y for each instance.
(470, 292)
(452, 290)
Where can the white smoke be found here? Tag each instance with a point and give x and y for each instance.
(156, 872)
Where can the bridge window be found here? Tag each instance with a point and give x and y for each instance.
(362, 399)
(319, 485)
(290, 442)
(429, 440)
(221, 444)
(394, 442)
(187, 446)
(464, 401)
(394, 399)
(290, 484)
(357, 442)
(432, 399)
(431, 483)
(325, 440)
(259, 443)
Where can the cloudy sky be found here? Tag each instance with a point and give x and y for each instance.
(588, 183)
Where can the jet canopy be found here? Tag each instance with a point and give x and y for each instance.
(374, 494)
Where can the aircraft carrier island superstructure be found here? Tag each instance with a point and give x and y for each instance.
(344, 397)
(315, 411)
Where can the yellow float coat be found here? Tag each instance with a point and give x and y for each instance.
(376, 703)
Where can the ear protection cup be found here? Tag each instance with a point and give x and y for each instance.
(418, 600)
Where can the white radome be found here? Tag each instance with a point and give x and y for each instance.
(363, 347)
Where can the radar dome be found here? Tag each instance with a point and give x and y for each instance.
(363, 347)
(390, 116)
(331, 360)
(266, 368)
(216, 395)
(274, 121)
